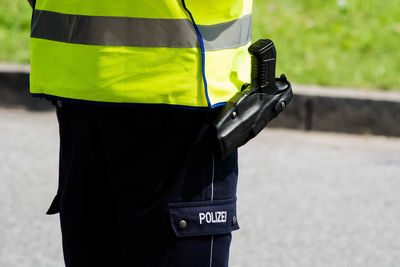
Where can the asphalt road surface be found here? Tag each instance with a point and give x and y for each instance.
(305, 199)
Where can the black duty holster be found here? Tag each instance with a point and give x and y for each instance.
(250, 110)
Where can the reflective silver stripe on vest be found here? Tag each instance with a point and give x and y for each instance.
(226, 35)
(138, 32)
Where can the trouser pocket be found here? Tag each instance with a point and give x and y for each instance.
(203, 217)
(203, 231)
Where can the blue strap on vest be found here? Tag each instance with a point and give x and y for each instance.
(202, 53)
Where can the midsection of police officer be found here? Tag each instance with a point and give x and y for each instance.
(136, 84)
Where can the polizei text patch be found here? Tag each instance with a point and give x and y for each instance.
(213, 217)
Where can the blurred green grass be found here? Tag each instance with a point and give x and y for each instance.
(14, 30)
(352, 43)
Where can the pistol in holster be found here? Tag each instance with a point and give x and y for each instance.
(250, 110)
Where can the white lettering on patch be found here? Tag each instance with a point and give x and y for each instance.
(213, 217)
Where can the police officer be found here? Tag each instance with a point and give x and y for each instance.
(136, 85)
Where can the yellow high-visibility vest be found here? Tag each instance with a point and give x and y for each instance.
(179, 52)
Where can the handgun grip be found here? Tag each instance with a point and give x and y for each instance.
(263, 64)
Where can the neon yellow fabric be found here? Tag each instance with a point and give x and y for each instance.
(208, 12)
(205, 11)
(161, 9)
(108, 74)
(140, 74)
(226, 72)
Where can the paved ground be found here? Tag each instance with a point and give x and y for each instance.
(305, 199)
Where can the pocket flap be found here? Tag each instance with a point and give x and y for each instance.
(203, 218)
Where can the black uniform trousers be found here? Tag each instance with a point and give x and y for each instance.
(140, 186)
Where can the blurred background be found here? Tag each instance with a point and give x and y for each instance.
(320, 187)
